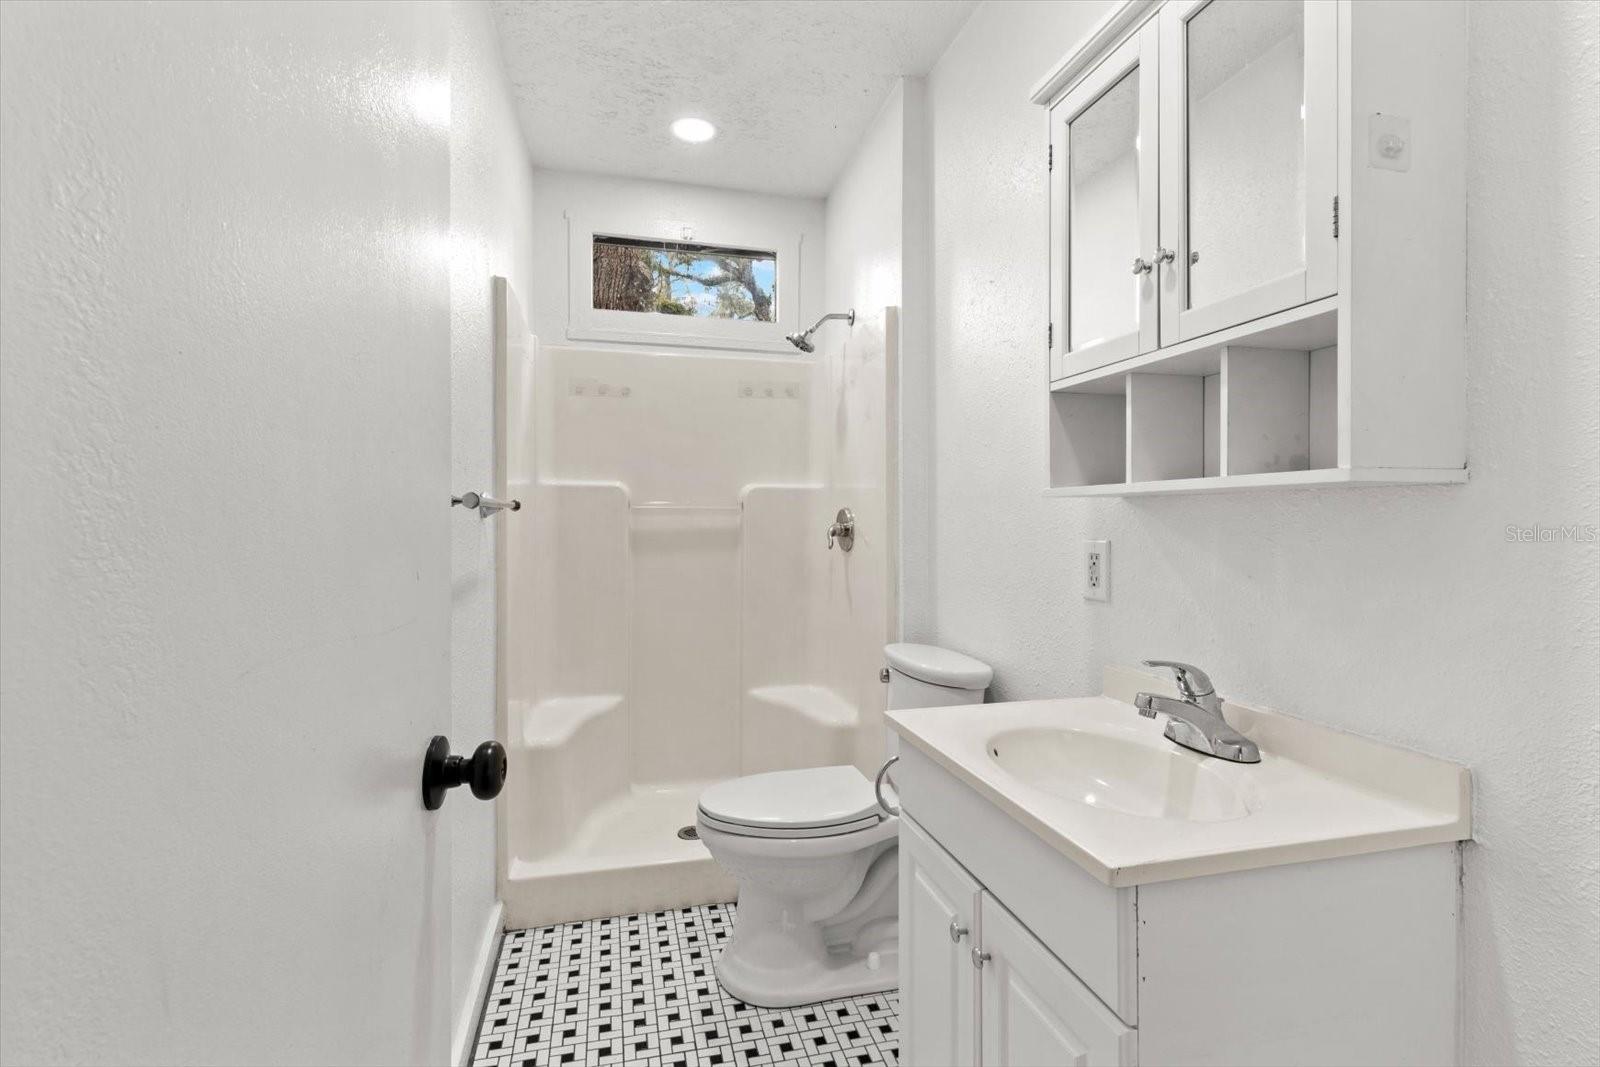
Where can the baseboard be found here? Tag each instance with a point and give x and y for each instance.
(466, 1028)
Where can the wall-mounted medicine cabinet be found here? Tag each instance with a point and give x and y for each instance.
(1257, 246)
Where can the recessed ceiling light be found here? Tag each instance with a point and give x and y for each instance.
(695, 131)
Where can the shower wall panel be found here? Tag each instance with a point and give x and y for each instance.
(675, 428)
(685, 691)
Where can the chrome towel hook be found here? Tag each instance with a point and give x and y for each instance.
(486, 505)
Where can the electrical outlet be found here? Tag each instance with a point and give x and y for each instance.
(1097, 570)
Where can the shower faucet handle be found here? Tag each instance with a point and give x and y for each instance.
(843, 530)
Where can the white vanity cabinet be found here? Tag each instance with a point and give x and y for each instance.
(974, 972)
(1034, 1011)
(1011, 954)
(1257, 246)
(939, 905)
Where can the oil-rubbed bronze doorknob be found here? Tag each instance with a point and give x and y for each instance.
(485, 770)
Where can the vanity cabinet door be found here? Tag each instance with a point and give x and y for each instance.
(938, 983)
(1104, 188)
(1035, 1011)
(1249, 153)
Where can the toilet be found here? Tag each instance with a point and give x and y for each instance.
(815, 860)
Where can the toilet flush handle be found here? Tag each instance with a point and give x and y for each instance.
(877, 785)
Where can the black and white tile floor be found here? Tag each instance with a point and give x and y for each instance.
(639, 989)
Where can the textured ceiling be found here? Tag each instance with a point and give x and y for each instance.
(790, 84)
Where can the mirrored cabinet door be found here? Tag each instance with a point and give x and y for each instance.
(1104, 211)
(1248, 162)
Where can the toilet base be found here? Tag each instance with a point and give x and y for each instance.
(779, 956)
(827, 977)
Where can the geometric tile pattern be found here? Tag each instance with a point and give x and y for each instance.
(639, 990)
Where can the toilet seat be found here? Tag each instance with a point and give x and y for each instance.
(791, 832)
(814, 802)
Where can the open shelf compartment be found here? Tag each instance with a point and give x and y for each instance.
(1229, 415)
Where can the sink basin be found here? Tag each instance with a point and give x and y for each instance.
(1118, 774)
(1103, 787)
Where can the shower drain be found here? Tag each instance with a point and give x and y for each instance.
(689, 833)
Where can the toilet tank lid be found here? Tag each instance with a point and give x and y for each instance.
(939, 666)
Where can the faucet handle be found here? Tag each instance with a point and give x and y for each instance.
(1193, 682)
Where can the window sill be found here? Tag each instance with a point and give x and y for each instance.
(667, 339)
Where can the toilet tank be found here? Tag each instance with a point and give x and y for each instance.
(925, 676)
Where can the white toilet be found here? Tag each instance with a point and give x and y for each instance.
(815, 859)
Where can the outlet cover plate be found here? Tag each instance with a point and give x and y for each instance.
(1097, 570)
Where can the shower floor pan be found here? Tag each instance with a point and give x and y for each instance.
(624, 858)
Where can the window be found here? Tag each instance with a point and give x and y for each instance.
(638, 277)
(683, 278)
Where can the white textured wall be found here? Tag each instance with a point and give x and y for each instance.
(224, 318)
(1402, 614)
(491, 223)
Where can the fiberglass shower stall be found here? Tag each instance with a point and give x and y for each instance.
(670, 612)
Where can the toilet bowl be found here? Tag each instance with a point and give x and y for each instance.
(816, 862)
(814, 859)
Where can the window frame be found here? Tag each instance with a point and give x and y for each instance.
(585, 322)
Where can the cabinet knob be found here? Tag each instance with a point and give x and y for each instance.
(1140, 266)
(957, 931)
(979, 958)
(1165, 255)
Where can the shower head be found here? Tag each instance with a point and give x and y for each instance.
(802, 341)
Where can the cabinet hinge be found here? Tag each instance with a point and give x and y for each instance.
(1050, 158)
(1336, 216)
(1050, 336)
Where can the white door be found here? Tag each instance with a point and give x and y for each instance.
(938, 927)
(1249, 155)
(224, 533)
(1104, 211)
(1035, 1011)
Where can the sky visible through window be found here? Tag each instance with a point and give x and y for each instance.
(682, 278)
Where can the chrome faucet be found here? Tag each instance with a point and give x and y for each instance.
(1196, 721)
